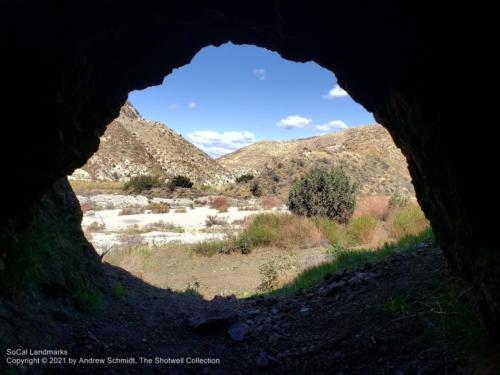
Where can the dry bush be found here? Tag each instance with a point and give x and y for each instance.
(215, 220)
(158, 226)
(248, 208)
(132, 210)
(162, 226)
(220, 204)
(87, 206)
(95, 227)
(275, 272)
(181, 210)
(158, 207)
(132, 256)
(240, 221)
(199, 202)
(130, 240)
(375, 205)
(270, 201)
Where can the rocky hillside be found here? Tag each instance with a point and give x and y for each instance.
(132, 146)
(367, 153)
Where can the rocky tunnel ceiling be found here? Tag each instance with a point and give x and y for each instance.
(423, 72)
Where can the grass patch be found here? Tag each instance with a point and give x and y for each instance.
(344, 259)
(210, 248)
(135, 252)
(158, 207)
(119, 291)
(282, 231)
(87, 298)
(405, 220)
(361, 229)
(87, 187)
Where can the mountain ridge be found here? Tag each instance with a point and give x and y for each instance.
(133, 146)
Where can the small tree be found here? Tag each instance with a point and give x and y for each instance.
(322, 192)
(244, 178)
(180, 181)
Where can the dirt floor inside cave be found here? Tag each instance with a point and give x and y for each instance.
(343, 326)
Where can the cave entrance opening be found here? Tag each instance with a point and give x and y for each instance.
(200, 169)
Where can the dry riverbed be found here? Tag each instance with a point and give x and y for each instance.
(187, 221)
(168, 262)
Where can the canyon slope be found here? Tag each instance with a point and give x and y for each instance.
(367, 154)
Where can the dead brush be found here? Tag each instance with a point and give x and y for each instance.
(215, 220)
(158, 207)
(220, 204)
(270, 202)
(132, 210)
(376, 206)
(95, 227)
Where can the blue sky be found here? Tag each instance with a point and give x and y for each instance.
(231, 96)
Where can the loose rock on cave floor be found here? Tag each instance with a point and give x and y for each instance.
(347, 325)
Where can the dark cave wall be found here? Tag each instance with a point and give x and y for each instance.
(423, 72)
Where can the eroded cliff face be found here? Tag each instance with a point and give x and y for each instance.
(423, 72)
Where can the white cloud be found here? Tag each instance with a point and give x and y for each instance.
(332, 125)
(192, 105)
(172, 106)
(336, 92)
(293, 122)
(217, 144)
(260, 73)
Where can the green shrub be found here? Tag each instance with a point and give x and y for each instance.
(322, 192)
(256, 189)
(138, 184)
(244, 178)
(180, 181)
(244, 243)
